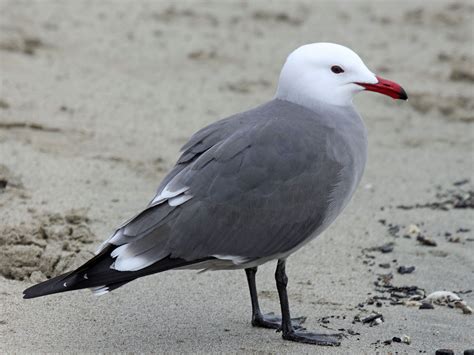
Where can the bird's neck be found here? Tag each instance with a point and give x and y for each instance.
(310, 101)
(303, 92)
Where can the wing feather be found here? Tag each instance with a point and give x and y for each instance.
(251, 186)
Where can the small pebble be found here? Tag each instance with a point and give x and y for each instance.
(385, 265)
(387, 248)
(444, 352)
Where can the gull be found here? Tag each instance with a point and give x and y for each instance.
(251, 188)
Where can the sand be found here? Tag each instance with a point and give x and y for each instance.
(97, 98)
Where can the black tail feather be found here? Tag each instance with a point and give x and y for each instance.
(97, 272)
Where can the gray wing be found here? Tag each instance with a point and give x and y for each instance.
(251, 186)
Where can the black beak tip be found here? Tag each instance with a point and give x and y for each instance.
(403, 94)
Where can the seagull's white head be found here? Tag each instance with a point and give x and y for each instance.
(329, 73)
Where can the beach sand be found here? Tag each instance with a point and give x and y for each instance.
(97, 98)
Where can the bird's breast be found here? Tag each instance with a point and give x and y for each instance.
(346, 150)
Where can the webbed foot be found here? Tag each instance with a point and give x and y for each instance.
(272, 321)
(302, 336)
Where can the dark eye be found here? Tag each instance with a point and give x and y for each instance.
(336, 69)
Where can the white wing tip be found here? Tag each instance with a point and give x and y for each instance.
(100, 290)
(166, 193)
(179, 200)
(236, 260)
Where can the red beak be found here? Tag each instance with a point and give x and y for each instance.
(386, 87)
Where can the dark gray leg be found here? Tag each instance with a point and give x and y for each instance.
(269, 320)
(289, 332)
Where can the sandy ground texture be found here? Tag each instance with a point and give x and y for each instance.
(98, 96)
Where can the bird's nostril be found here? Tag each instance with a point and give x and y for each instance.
(386, 85)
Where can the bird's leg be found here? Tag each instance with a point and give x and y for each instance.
(269, 320)
(289, 332)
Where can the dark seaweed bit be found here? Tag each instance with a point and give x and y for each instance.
(385, 248)
(371, 318)
(461, 182)
(457, 199)
(444, 352)
(352, 332)
(426, 241)
(426, 305)
(393, 230)
(405, 269)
